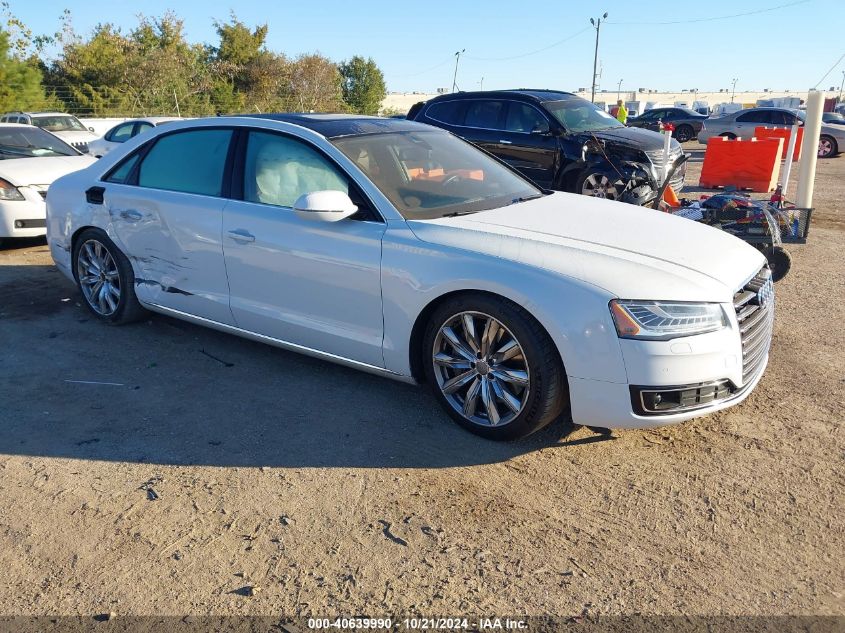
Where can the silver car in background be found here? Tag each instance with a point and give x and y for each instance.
(743, 123)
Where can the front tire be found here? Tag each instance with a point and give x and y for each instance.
(729, 135)
(598, 185)
(105, 278)
(493, 367)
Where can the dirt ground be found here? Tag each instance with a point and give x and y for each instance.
(214, 464)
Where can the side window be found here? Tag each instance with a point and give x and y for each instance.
(446, 112)
(190, 162)
(670, 115)
(754, 117)
(278, 169)
(524, 118)
(485, 114)
(120, 174)
(120, 134)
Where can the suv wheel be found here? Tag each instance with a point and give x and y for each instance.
(598, 185)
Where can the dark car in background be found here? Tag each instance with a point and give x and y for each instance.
(558, 140)
(687, 123)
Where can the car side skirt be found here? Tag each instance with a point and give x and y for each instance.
(291, 347)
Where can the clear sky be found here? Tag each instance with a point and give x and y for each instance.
(414, 43)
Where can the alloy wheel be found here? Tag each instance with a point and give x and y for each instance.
(825, 147)
(481, 369)
(599, 186)
(98, 277)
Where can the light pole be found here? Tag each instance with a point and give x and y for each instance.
(481, 84)
(455, 78)
(597, 25)
(841, 85)
(733, 90)
(618, 89)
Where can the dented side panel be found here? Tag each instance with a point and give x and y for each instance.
(173, 241)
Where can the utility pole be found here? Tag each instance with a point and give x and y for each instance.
(597, 25)
(733, 90)
(618, 89)
(481, 85)
(841, 85)
(455, 78)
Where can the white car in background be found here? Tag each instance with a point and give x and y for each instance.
(124, 131)
(30, 160)
(66, 126)
(397, 248)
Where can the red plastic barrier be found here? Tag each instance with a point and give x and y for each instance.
(752, 164)
(782, 132)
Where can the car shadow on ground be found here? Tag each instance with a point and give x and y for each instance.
(165, 391)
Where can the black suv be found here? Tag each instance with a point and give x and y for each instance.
(558, 140)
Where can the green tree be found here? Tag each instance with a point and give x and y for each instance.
(363, 85)
(238, 45)
(20, 81)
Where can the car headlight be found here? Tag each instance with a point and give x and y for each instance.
(9, 192)
(663, 320)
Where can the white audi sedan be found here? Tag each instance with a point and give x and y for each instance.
(399, 249)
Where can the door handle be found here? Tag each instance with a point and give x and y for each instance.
(131, 214)
(504, 142)
(242, 235)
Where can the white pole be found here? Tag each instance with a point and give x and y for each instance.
(664, 167)
(790, 151)
(809, 150)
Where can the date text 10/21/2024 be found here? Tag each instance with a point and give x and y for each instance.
(418, 624)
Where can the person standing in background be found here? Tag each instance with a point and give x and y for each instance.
(622, 112)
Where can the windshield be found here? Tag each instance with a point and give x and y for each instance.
(579, 115)
(434, 174)
(59, 123)
(26, 142)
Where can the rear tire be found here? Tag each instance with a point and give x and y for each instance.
(493, 367)
(105, 279)
(729, 135)
(684, 133)
(827, 146)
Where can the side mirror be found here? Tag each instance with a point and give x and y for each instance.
(328, 206)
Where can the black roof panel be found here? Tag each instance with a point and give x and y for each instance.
(335, 125)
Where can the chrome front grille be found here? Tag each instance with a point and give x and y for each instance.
(755, 313)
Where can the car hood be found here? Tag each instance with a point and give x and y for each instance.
(76, 136)
(639, 138)
(41, 170)
(630, 252)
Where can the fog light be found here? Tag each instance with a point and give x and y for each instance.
(657, 400)
(18, 224)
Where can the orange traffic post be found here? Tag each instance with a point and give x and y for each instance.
(777, 132)
(752, 164)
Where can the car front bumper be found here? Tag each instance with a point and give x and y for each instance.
(24, 218)
(694, 376)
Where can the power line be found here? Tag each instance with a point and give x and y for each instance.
(422, 72)
(521, 55)
(829, 71)
(719, 17)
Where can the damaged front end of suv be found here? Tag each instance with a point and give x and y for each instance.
(625, 173)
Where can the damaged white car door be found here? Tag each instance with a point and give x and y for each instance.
(169, 220)
(310, 282)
